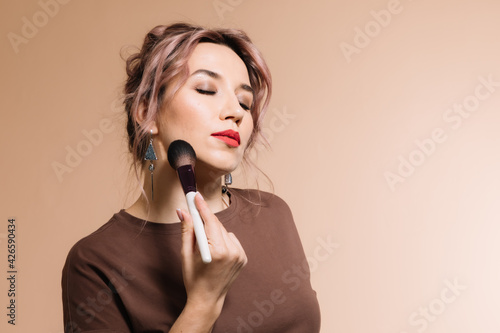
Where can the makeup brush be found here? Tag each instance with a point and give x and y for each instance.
(182, 158)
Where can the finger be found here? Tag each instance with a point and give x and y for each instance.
(212, 224)
(239, 247)
(234, 241)
(233, 246)
(188, 238)
(229, 242)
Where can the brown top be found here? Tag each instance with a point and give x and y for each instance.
(127, 275)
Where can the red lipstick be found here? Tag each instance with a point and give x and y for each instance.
(230, 137)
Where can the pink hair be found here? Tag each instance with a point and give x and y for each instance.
(163, 61)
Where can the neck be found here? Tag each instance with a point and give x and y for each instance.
(168, 195)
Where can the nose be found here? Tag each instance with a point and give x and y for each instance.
(231, 109)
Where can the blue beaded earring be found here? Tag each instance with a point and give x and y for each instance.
(151, 156)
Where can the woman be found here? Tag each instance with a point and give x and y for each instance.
(142, 271)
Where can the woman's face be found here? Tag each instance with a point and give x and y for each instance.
(211, 110)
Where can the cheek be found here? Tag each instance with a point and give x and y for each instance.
(185, 115)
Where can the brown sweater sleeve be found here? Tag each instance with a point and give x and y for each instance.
(91, 299)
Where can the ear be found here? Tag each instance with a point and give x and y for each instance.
(141, 118)
(153, 127)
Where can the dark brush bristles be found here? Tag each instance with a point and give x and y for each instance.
(181, 153)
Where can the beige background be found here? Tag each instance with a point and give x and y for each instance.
(339, 122)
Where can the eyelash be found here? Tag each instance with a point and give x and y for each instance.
(205, 92)
(245, 107)
(209, 92)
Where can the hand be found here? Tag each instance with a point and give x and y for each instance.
(207, 284)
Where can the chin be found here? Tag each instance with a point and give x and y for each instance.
(224, 159)
(217, 167)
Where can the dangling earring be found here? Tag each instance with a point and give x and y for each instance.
(228, 180)
(151, 156)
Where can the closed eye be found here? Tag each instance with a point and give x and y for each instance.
(244, 106)
(205, 92)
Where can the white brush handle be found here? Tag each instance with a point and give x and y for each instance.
(199, 228)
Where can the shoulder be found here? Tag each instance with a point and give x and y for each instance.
(259, 197)
(262, 203)
(91, 248)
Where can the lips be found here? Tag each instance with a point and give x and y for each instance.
(230, 137)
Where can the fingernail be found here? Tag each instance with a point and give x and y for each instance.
(200, 195)
(179, 214)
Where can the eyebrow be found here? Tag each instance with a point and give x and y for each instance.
(217, 76)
